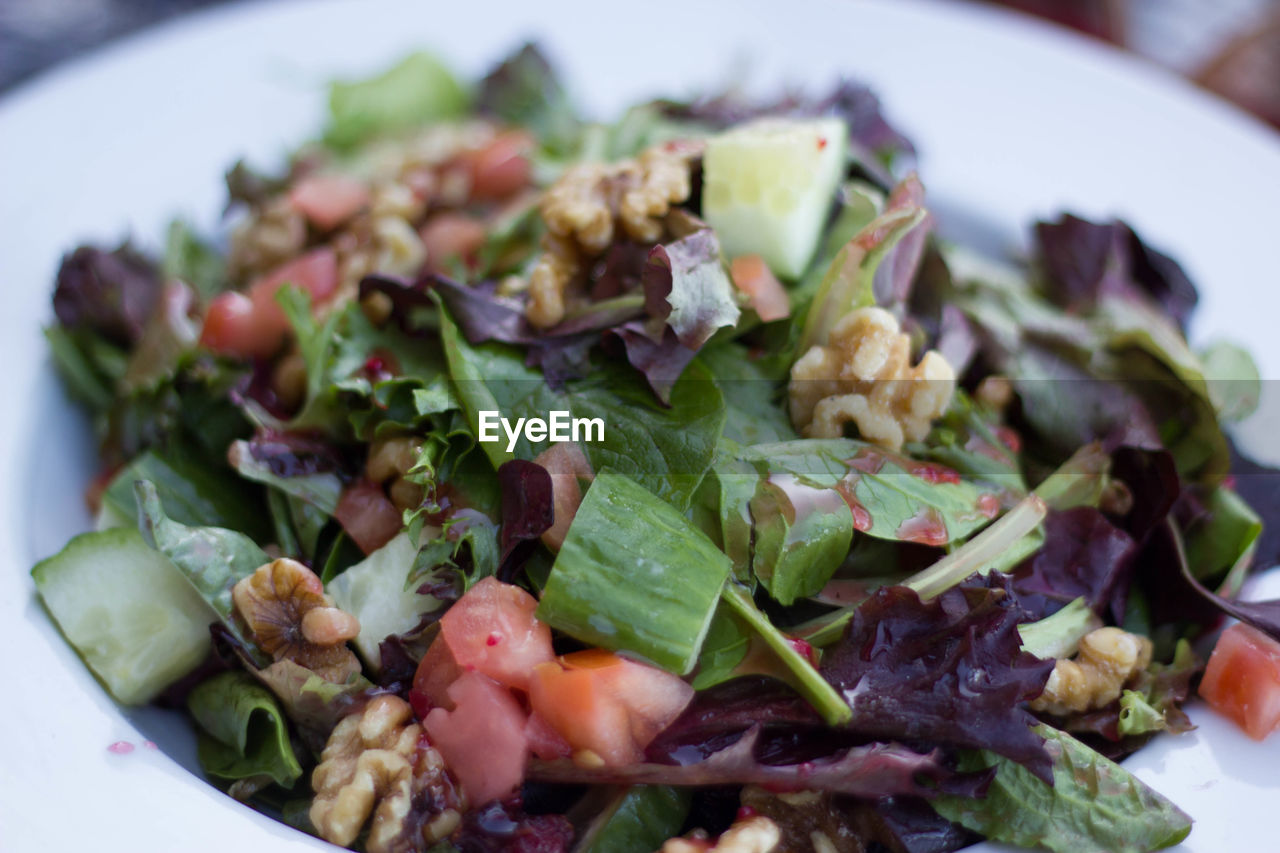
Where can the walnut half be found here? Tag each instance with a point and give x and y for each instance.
(754, 834)
(864, 375)
(1107, 659)
(378, 763)
(286, 609)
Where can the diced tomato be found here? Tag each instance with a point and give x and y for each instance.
(252, 324)
(327, 201)
(449, 237)
(753, 277)
(231, 328)
(482, 739)
(501, 168)
(368, 516)
(492, 630)
(316, 273)
(607, 704)
(566, 463)
(435, 673)
(544, 741)
(1242, 680)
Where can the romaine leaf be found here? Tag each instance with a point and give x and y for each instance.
(753, 410)
(1093, 804)
(634, 575)
(418, 90)
(244, 732)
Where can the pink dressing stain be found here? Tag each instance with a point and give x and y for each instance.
(120, 747)
(933, 474)
(867, 461)
(989, 505)
(150, 744)
(493, 639)
(861, 517)
(982, 447)
(1009, 438)
(925, 527)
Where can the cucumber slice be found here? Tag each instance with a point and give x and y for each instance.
(769, 185)
(373, 592)
(134, 619)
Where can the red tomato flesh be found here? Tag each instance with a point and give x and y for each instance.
(501, 168)
(492, 630)
(483, 739)
(753, 277)
(449, 237)
(367, 515)
(1242, 680)
(231, 328)
(327, 201)
(607, 704)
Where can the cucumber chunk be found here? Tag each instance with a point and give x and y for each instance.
(134, 619)
(373, 591)
(769, 185)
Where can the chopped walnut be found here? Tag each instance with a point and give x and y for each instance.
(285, 607)
(273, 234)
(379, 763)
(584, 209)
(1107, 659)
(864, 375)
(755, 834)
(389, 461)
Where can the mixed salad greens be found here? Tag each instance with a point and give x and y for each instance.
(883, 545)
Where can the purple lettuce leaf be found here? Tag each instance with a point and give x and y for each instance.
(528, 510)
(1084, 555)
(872, 770)
(661, 362)
(1263, 615)
(685, 284)
(949, 670)
(1085, 260)
(110, 293)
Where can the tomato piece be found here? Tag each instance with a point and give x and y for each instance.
(544, 741)
(327, 201)
(231, 328)
(436, 671)
(448, 237)
(580, 707)
(492, 630)
(753, 277)
(566, 463)
(1242, 680)
(316, 273)
(501, 168)
(368, 516)
(601, 702)
(482, 739)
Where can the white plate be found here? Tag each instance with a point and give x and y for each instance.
(1013, 120)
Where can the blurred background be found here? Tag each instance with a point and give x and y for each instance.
(1231, 47)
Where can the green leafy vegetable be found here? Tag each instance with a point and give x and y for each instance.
(420, 89)
(1059, 635)
(638, 819)
(188, 258)
(212, 559)
(634, 575)
(244, 732)
(1094, 804)
(1137, 716)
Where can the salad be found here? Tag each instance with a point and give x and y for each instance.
(504, 481)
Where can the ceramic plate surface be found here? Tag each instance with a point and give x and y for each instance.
(1013, 120)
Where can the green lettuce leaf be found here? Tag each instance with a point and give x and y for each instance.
(244, 733)
(634, 575)
(212, 559)
(666, 449)
(190, 259)
(638, 819)
(418, 90)
(1094, 804)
